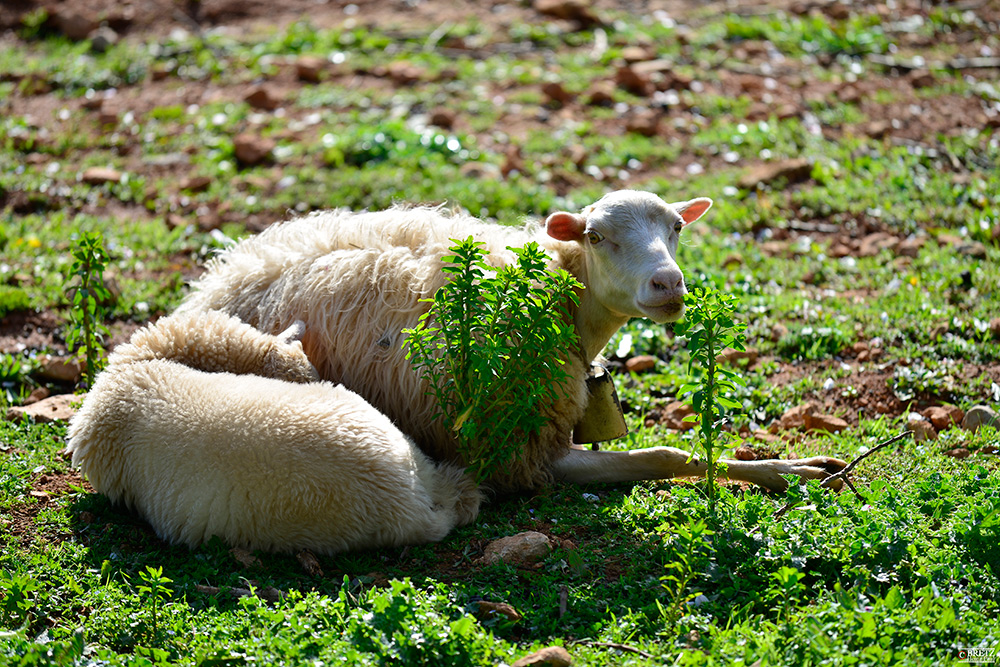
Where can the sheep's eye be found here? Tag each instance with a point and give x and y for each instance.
(594, 237)
(678, 227)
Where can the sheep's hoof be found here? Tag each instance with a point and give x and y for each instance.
(821, 468)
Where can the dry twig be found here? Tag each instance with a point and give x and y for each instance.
(614, 645)
(843, 474)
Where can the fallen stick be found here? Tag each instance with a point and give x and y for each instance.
(843, 474)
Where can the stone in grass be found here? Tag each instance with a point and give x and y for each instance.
(53, 409)
(828, 423)
(675, 413)
(980, 415)
(67, 370)
(943, 416)
(252, 150)
(551, 656)
(310, 69)
(796, 417)
(640, 363)
(524, 549)
(922, 429)
(101, 175)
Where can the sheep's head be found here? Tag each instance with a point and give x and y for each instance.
(630, 243)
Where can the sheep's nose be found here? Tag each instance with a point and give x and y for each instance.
(668, 280)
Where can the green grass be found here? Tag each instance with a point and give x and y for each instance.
(906, 576)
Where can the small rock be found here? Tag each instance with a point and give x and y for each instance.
(556, 93)
(779, 331)
(635, 54)
(578, 11)
(486, 170)
(732, 260)
(792, 171)
(251, 150)
(523, 549)
(310, 69)
(101, 175)
(645, 122)
(633, 81)
(72, 24)
(552, 656)
(674, 414)
(744, 453)
(958, 453)
(52, 409)
(922, 429)
(796, 417)
(404, 73)
(491, 610)
(640, 363)
(828, 423)
(601, 94)
(60, 369)
(910, 247)
(873, 244)
(995, 327)
(195, 183)
(443, 118)
(578, 155)
(838, 11)
(979, 415)
(103, 39)
(943, 416)
(38, 394)
(309, 563)
(921, 79)
(261, 97)
(878, 129)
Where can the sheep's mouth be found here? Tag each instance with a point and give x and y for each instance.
(668, 311)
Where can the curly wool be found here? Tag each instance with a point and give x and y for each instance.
(183, 427)
(358, 280)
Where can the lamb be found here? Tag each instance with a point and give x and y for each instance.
(358, 280)
(207, 426)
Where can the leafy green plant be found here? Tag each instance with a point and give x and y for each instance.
(689, 540)
(491, 348)
(16, 600)
(709, 328)
(154, 590)
(87, 328)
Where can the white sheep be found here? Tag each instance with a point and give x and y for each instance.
(359, 279)
(206, 426)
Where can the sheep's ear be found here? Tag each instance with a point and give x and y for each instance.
(693, 209)
(565, 226)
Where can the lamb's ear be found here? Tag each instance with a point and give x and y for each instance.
(693, 209)
(293, 333)
(565, 226)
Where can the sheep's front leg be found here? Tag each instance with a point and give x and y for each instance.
(581, 466)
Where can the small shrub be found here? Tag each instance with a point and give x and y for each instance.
(491, 347)
(709, 327)
(87, 328)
